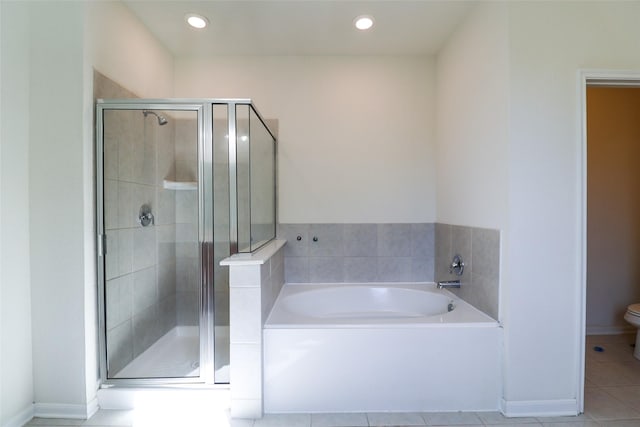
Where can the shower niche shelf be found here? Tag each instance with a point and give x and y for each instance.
(179, 185)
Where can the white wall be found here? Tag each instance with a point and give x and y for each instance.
(472, 111)
(537, 199)
(48, 209)
(121, 48)
(472, 126)
(548, 44)
(57, 210)
(16, 386)
(356, 134)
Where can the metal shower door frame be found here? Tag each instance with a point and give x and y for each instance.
(204, 109)
(205, 235)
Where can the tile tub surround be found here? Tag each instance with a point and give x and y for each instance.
(358, 252)
(419, 252)
(255, 281)
(480, 251)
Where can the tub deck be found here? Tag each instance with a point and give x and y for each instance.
(464, 314)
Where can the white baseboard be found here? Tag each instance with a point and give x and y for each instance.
(61, 410)
(92, 407)
(540, 408)
(610, 330)
(21, 418)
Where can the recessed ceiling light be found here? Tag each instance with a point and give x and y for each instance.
(196, 21)
(363, 22)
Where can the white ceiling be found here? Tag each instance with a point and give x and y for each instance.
(301, 27)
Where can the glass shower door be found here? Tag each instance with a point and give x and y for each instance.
(182, 184)
(154, 249)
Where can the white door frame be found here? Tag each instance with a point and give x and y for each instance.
(590, 78)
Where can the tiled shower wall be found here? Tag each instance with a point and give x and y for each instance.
(480, 251)
(420, 252)
(140, 265)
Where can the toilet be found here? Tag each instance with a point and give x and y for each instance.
(633, 316)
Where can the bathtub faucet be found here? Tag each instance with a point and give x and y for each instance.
(449, 284)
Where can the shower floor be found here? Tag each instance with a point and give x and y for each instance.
(175, 355)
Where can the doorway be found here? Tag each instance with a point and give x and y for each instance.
(611, 207)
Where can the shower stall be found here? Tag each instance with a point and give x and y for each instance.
(181, 185)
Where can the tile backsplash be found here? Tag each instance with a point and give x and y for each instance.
(418, 252)
(336, 253)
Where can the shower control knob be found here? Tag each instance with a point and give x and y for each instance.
(457, 265)
(145, 217)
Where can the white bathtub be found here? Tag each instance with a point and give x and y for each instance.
(379, 347)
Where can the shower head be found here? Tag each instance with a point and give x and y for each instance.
(161, 119)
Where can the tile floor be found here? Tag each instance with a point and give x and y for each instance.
(612, 384)
(612, 399)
